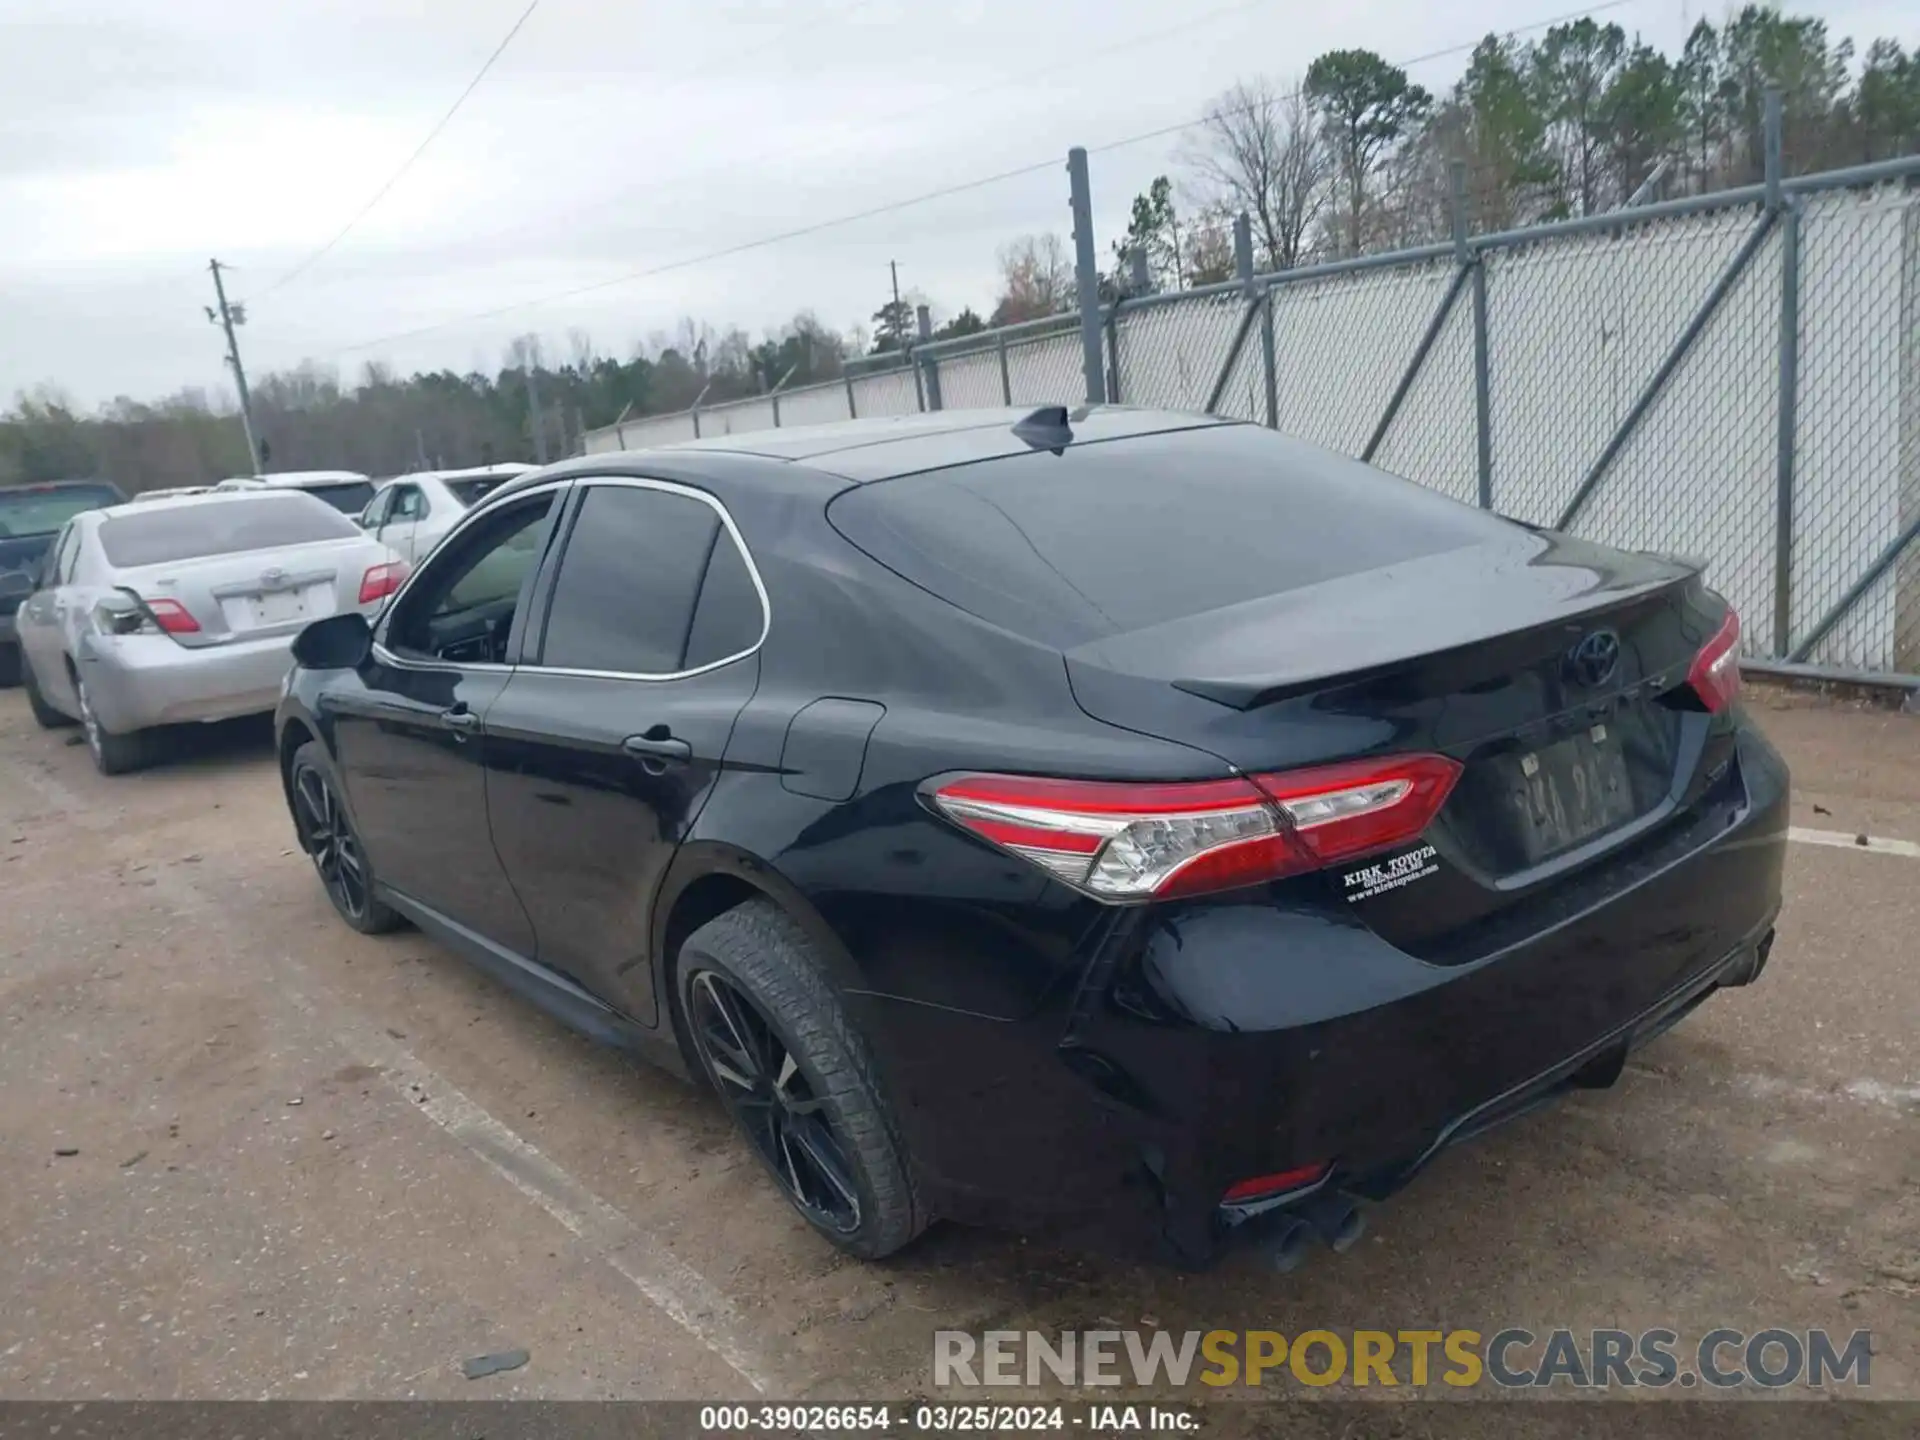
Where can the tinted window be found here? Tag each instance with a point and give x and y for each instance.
(624, 597)
(729, 618)
(349, 497)
(41, 510)
(163, 534)
(1107, 538)
(462, 606)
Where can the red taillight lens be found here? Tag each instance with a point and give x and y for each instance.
(1715, 676)
(381, 581)
(172, 617)
(1262, 1187)
(1121, 841)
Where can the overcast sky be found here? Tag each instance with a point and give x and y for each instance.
(138, 139)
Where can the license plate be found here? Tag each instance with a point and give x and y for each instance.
(1569, 792)
(277, 609)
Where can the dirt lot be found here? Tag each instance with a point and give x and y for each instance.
(312, 1164)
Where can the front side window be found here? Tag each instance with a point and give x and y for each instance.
(628, 598)
(461, 607)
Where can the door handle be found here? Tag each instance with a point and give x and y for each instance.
(460, 720)
(658, 747)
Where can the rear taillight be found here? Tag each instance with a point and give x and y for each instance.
(1123, 841)
(381, 581)
(125, 613)
(1715, 676)
(172, 617)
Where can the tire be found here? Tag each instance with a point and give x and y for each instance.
(327, 836)
(47, 717)
(112, 754)
(756, 955)
(13, 665)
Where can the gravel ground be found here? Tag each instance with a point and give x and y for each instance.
(312, 1164)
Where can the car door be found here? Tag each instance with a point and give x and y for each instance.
(606, 741)
(45, 617)
(399, 532)
(411, 736)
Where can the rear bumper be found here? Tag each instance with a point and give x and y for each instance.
(139, 681)
(1235, 1040)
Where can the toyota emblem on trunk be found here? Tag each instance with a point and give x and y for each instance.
(1593, 661)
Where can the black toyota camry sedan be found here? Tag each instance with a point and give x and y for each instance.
(1115, 826)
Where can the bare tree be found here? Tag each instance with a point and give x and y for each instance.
(1036, 279)
(1259, 151)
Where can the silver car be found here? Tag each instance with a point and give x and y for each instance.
(185, 610)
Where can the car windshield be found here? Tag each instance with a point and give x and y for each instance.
(467, 492)
(349, 497)
(160, 536)
(43, 509)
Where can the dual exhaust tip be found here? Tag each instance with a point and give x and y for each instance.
(1331, 1218)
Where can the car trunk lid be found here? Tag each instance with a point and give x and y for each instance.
(257, 594)
(1554, 672)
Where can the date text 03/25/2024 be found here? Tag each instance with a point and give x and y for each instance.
(1087, 1419)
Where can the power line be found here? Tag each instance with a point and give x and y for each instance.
(408, 163)
(799, 232)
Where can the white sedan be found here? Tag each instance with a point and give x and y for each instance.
(185, 609)
(412, 512)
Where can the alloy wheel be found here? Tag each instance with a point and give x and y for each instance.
(773, 1102)
(327, 836)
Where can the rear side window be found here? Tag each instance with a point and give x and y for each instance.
(164, 534)
(1107, 538)
(630, 583)
(349, 497)
(468, 492)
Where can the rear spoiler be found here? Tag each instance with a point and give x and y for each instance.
(1358, 626)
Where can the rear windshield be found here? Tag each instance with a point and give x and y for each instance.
(37, 510)
(1107, 538)
(349, 497)
(161, 536)
(468, 491)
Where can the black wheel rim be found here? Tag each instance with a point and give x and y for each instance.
(328, 839)
(774, 1102)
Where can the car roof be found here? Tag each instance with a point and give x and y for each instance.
(863, 451)
(311, 477)
(507, 469)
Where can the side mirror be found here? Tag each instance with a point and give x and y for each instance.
(339, 642)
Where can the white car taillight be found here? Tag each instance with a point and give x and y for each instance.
(1715, 675)
(1123, 841)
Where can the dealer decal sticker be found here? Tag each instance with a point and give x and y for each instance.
(1392, 873)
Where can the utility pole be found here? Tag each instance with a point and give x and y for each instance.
(899, 310)
(227, 317)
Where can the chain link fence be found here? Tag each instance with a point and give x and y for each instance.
(1735, 378)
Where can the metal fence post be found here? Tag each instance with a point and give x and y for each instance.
(696, 422)
(853, 408)
(1006, 375)
(1087, 273)
(1243, 271)
(1771, 129)
(1482, 377)
(1789, 404)
(930, 364)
